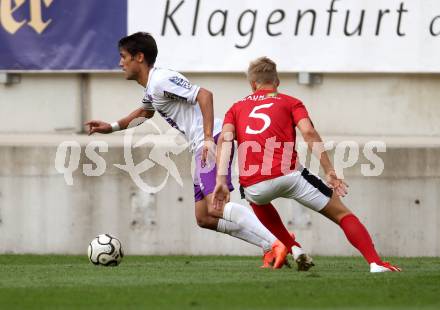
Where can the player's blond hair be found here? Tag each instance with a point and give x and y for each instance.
(263, 71)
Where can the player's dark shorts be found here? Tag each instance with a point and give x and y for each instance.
(205, 178)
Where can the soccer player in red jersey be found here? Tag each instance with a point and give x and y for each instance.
(263, 124)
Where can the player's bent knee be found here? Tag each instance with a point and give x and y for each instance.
(337, 203)
(214, 212)
(335, 210)
(204, 222)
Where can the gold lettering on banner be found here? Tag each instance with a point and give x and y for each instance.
(11, 25)
(6, 19)
(36, 21)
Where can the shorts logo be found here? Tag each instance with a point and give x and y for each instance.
(180, 82)
(173, 96)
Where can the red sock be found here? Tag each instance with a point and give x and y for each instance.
(359, 237)
(269, 217)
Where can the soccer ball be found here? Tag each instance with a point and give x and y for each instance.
(105, 250)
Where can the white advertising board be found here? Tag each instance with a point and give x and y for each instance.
(300, 35)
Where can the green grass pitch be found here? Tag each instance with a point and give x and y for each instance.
(213, 282)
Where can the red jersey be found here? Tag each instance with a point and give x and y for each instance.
(265, 131)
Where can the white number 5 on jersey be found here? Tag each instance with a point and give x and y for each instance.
(262, 116)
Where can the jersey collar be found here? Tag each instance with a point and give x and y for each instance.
(267, 92)
(150, 74)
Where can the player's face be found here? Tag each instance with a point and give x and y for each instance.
(129, 65)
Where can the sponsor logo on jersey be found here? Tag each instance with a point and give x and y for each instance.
(180, 82)
(273, 95)
(254, 97)
(173, 96)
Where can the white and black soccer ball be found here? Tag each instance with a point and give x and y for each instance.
(105, 250)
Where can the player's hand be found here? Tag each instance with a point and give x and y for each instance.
(98, 126)
(220, 196)
(208, 152)
(338, 185)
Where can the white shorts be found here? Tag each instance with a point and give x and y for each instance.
(301, 185)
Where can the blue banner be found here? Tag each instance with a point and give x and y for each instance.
(61, 34)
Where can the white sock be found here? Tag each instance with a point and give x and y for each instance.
(245, 218)
(239, 232)
(296, 252)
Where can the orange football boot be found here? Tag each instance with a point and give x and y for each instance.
(268, 259)
(280, 252)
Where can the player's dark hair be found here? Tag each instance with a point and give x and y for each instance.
(140, 42)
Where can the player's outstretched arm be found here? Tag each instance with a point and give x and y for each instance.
(224, 148)
(103, 127)
(205, 100)
(315, 144)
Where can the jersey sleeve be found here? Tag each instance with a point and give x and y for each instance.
(175, 86)
(298, 111)
(147, 105)
(229, 117)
